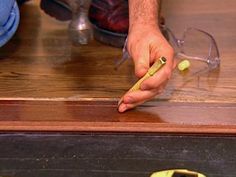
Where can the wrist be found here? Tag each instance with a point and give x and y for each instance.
(144, 27)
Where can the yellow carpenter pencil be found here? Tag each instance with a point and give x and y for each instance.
(151, 71)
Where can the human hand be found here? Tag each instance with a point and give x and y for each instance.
(145, 46)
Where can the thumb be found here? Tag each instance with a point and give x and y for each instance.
(141, 63)
(170, 65)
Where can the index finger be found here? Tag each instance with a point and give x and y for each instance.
(156, 80)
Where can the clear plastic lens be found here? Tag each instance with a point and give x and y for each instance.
(196, 45)
(214, 58)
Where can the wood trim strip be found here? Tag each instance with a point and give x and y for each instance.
(116, 127)
(98, 115)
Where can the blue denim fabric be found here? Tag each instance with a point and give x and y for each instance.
(9, 20)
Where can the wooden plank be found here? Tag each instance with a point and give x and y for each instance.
(103, 116)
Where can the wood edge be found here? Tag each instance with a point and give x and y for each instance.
(129, 127)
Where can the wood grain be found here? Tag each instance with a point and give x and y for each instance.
(103, 116)
(41, 62)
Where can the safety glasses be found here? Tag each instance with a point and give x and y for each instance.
(195, 45)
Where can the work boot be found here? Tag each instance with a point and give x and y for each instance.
(109, 18)
(111, 15)
(59, 9)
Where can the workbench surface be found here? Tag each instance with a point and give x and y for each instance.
(58, 103)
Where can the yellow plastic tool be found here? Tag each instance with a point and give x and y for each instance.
(151, 71)
(177, 173)
(183, 65)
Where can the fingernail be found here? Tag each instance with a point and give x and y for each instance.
(120, 101)
(122, 108)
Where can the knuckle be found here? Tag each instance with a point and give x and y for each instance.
(138, 73)
(168, 72)
(154, 85)
(159, 91)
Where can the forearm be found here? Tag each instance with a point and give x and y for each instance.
(143, 13)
